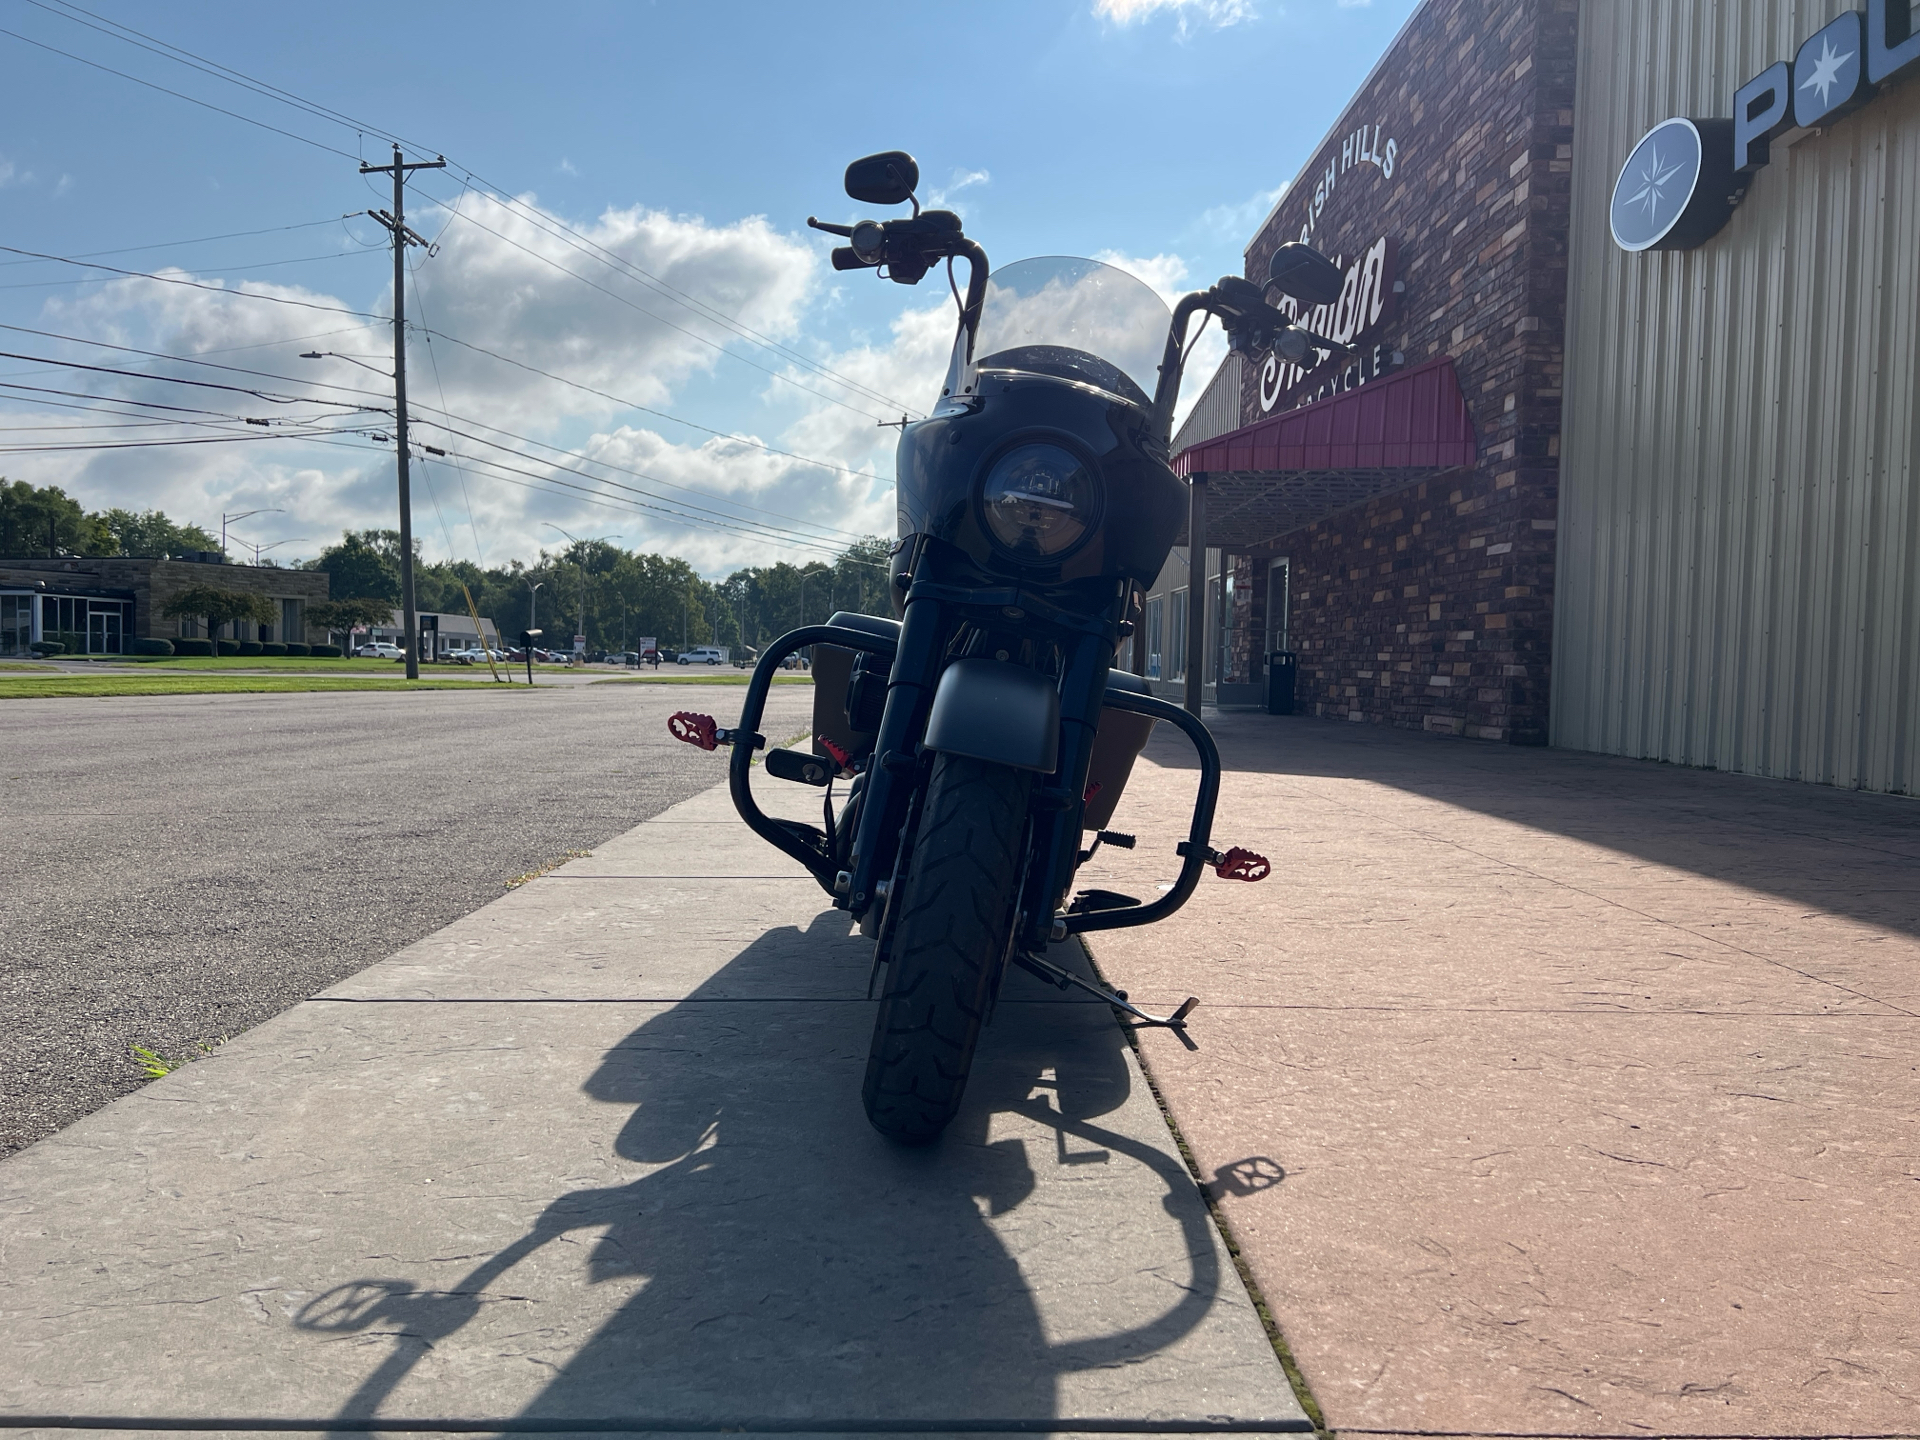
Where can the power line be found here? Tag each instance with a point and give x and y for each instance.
(450, 415)
(642, 310)
(558, 229)
(171, 380)
(551, 226)
(192, 284)
(230, 269)
(203, 240)
(738, 522)
(203, 104)
(647, 409)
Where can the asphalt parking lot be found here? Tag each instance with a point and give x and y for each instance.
(180, 868)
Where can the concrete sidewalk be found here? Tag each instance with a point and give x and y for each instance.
(1551, 1093)
(594, 1155)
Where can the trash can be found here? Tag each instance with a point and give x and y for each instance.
(1282, 667)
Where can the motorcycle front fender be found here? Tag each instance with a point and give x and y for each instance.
(998, 712)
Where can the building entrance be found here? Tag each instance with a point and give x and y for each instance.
(103, 631)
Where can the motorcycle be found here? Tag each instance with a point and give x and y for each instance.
(983, 728)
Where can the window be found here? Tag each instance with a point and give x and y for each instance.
(1176, 651)
(1155, 624)
(16, 624)
(64, 619)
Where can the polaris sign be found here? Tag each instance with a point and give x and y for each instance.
(1680, 185)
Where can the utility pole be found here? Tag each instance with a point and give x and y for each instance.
(396, 225)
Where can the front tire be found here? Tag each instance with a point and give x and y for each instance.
(956, 916)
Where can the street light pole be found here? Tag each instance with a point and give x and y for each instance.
(582, 563)
(533, 604)
(225, 519)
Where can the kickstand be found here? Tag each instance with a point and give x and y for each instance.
(1046, 970)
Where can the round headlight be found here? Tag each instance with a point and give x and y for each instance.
(1039, 500)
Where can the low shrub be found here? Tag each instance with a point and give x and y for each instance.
(150, 647)
(252, 647)
(270, 647)
(295, 647)
(193, 647)
(325, 652)
(47, 647)
(226, 647)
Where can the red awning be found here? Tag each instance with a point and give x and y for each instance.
(1416, 420)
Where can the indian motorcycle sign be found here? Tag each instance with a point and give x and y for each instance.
(1370, 296)
(1368, 300)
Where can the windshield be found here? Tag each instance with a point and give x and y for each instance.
(1075, 318)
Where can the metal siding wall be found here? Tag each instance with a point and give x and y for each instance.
(1739, 541)
(1217, 411)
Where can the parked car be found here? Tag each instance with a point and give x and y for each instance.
(703, 655)
(381, 650)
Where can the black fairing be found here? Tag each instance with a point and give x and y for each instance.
(943, 460)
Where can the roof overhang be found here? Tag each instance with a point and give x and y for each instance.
(1291, 469)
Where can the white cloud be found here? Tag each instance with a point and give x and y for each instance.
(1218, 13)
(1167, 274)
(10, 175)
(1235, 222)
(496, 290)
(941, 198)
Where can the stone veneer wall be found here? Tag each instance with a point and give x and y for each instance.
(1432, 607)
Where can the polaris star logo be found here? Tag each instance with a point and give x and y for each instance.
(1682, 181)
(1656, 185)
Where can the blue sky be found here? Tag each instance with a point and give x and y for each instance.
(688, 140)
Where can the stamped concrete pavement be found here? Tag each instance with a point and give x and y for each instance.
(593, 1156)
(1550, 1093)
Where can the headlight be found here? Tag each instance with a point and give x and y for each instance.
(869, 241)
(1039, 500)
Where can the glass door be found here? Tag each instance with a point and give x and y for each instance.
(1277, 598)
(104, 630)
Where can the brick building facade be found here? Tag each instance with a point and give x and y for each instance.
(136, 590)
(1428, 604)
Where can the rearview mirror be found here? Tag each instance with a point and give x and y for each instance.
(1302, 272)
(889, 178)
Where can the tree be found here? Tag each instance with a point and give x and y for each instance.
(363, 564)
(219, 606)
(50, 520)
(355, 613)
(150, 533)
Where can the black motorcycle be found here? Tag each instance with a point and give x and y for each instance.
(984, 730)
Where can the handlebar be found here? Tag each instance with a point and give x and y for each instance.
(909, 248)
(1243, 310)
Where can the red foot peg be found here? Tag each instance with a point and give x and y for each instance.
(1239, 864)
(694, 729)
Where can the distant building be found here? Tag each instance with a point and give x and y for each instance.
(95, 605)
(442, 631)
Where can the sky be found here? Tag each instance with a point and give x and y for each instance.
(624, 327)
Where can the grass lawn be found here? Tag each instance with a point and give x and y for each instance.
(724, 677)
(43, 687)
(27, 665)
(294, 664)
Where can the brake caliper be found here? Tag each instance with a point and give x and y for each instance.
(694, 729)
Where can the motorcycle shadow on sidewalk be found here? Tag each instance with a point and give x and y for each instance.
(798, 1267)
